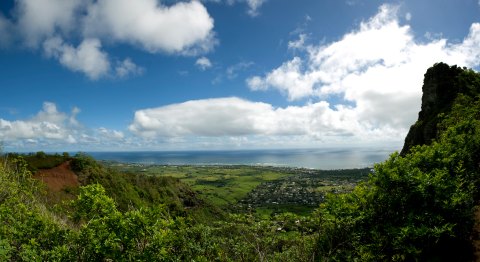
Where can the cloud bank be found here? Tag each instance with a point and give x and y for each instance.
(151, 26)
(236, 117)
(55, 27)
(364, 87)
(48, 124)
(56, 130)
(382, 56)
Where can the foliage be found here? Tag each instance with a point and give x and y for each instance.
(108, 234)
(134, 190)
(222, 185)
(415, 207)
(28, 231)
(246, 237)
(41, 160)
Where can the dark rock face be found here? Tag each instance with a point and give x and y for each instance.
(440, 89)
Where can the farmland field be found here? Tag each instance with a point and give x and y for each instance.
(264, 188)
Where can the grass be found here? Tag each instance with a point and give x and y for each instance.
(223, 185)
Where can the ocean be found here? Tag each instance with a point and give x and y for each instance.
(327, 159)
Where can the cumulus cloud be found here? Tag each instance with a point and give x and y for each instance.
(372, 76)
(87, 58)
(235, 117)
(56, 130)
(288, 78)
(203, 63)
(40, 19)
(184, 28)
(49, 123)
(152, 26)
(378, 68)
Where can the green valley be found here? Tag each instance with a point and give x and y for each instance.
(260, 186)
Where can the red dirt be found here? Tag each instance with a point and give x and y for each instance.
(59, 177)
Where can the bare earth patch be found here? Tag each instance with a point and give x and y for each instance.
(59, 177)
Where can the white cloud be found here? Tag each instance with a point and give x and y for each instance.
(127, 67)
(53, 130)
(299, 43)
(184, 28)
(152, 26)
(256, 83)
(203, 63)
(288, 78)
(87, 58)
(235, 117)
(211, 117)
(111, 134)
(377, 68)
(254, 5)
(40, 19)
(49, 123)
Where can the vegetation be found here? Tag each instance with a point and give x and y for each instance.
(415, 206)
(133, 191)
(259, 186)
(41, 160)
(223, 185)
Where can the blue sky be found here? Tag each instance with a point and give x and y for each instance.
(116, 75)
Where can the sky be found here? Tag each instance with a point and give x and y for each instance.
(120, 75)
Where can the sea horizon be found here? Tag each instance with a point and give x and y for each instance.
(324, 158)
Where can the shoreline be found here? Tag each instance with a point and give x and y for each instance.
(319, 159)
(114, 163)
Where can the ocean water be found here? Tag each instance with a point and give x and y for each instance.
(302, 158)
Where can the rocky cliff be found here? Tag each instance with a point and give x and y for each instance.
(440, 88)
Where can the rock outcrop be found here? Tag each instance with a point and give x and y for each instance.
(440, 88)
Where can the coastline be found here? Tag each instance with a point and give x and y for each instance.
(321, 159)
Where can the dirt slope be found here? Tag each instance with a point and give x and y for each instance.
(59, 177)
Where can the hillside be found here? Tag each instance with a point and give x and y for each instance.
(419, 205)
(58, 178)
